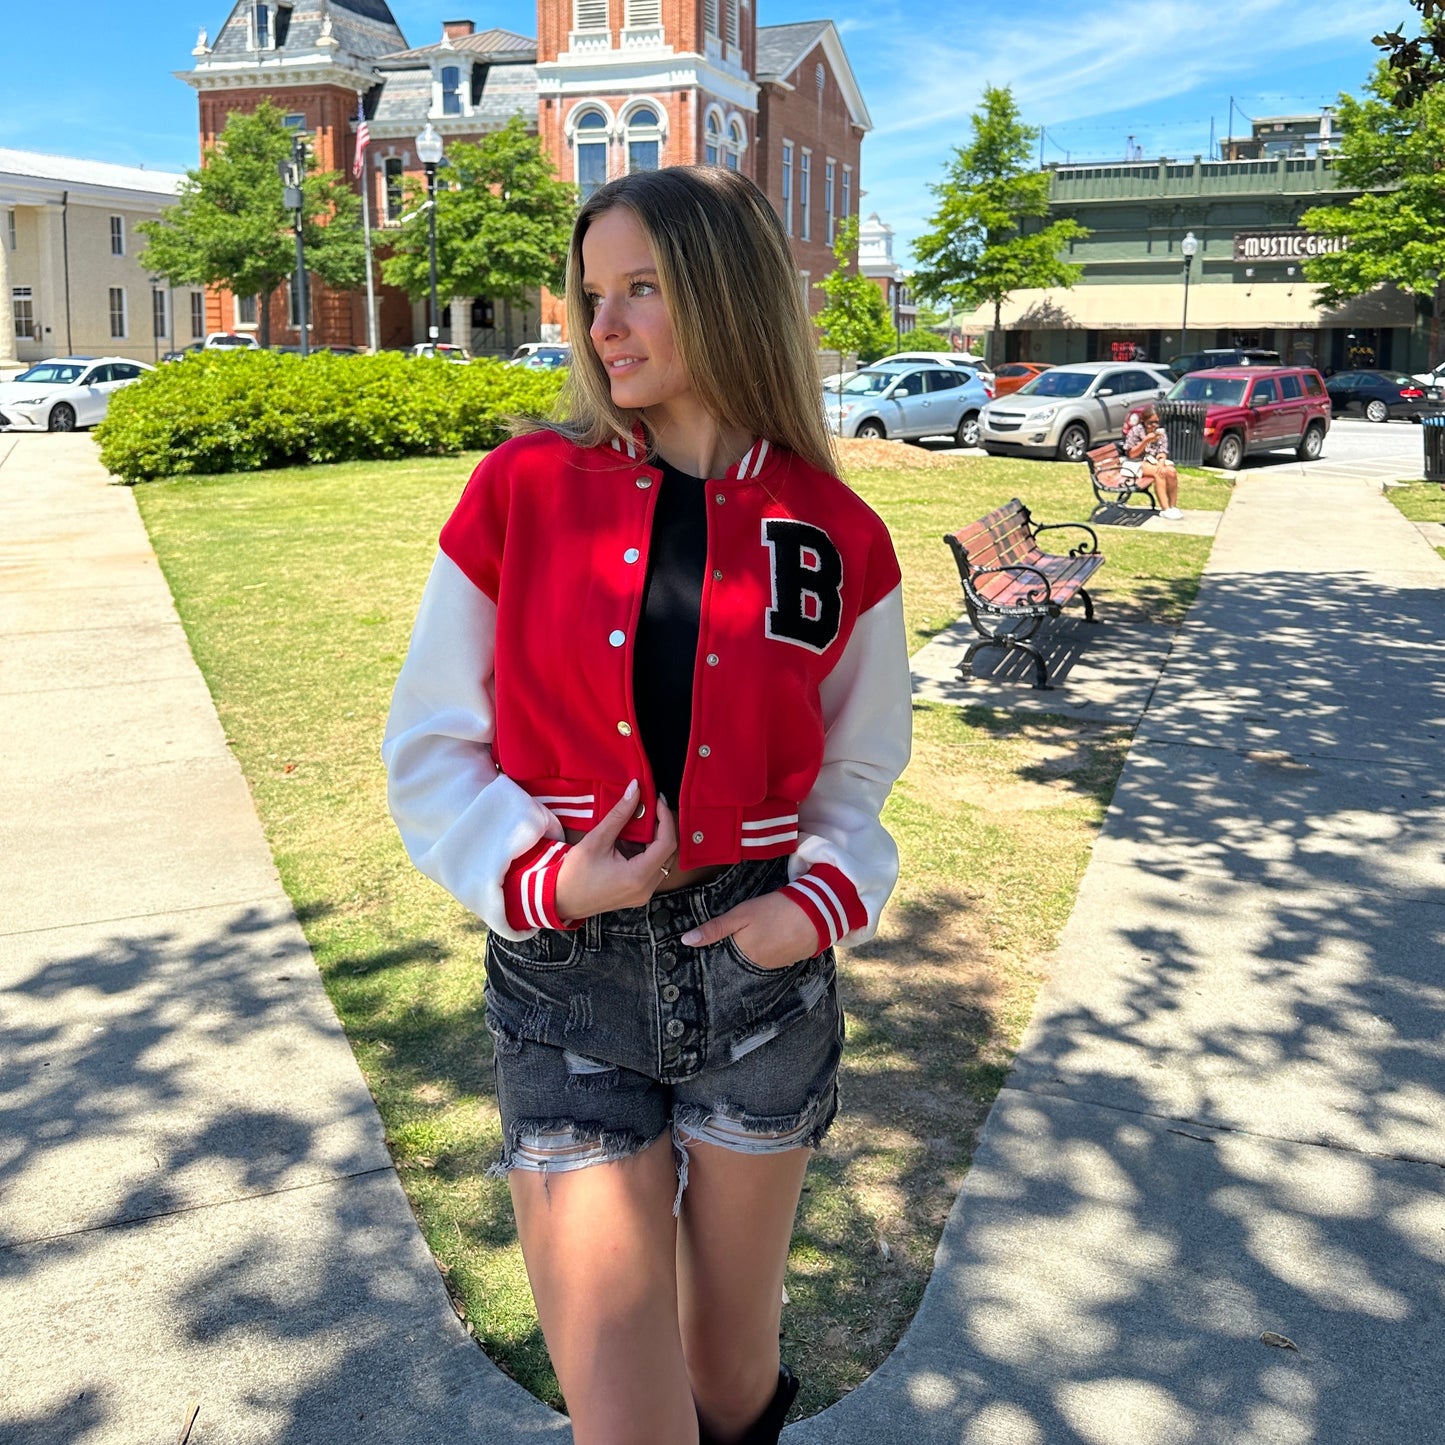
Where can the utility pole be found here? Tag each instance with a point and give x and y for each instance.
(293, 173)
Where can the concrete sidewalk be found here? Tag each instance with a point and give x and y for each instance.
(1226, 1125)
(196, 1202)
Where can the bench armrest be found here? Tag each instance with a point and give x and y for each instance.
(1014, 569)
(1081, 549)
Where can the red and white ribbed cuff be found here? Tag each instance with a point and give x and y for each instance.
(831, 902)
(530, 887)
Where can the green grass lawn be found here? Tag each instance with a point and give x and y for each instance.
(297, 590)
(1420, 502)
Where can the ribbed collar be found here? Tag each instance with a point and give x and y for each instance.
(759, 459)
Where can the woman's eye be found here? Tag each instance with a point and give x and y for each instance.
(643, 288)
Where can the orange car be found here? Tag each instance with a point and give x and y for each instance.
(1015, 375)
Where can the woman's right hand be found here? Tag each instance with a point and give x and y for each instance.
(596, 878)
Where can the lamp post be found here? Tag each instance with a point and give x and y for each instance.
(293, 173)
(1190, 247)
(429, 152)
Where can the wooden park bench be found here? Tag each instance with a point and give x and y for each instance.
(1010, 585)
(1112, 484)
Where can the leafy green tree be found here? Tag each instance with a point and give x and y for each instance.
(986, 238)
(1418, 62)
(503, 223)
(854, 317)
(920, 338)
(229, 228)
(1392, 152)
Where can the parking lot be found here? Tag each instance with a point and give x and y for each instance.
(1386, 451)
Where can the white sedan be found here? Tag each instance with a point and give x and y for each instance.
(65, 392)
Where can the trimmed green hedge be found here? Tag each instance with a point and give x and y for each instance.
(242, 411)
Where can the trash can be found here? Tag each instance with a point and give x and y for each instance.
(1184, 427)
(1434, 430)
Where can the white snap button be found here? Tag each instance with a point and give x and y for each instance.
(717, 576)
(720, 498)
(644, 482)
(697, 837)
(631, 555)
(625, 729)
(704, 751)
(641, 811)
(617, 638)
(712, 659)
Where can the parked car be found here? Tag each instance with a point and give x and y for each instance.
(1258, 409)
(231, 341)
(1015, 374)
(544, 358)
(1380, 395)
(532, 348)
(443, 349)
(194, 349)
(963, 359)
(66, 392)
(1434, 377)
(832, 383)
(1219, 356)
(904, 399)
(1066, 410)
(316, 350)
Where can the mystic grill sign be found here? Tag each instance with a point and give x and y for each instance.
(1284, 245)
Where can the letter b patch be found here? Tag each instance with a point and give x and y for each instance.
(807, 584)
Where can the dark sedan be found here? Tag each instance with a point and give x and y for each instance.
(1380, 395)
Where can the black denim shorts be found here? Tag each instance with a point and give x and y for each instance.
(608, 1035)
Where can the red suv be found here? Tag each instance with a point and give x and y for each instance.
(1258, 409)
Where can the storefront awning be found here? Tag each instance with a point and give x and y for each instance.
(1153, 306)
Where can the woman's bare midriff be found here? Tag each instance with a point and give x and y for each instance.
(676, 878)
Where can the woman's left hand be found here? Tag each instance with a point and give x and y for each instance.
(771, 931)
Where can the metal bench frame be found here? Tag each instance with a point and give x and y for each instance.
(1011, 624)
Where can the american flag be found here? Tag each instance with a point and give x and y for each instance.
(363, 139)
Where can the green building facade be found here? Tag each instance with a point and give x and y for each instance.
(1246, 283)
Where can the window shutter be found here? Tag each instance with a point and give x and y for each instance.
(709, 16)
(590, 14)
(644, 14)
(732, 13)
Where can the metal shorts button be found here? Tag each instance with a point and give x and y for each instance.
(676, 1028)
(671, 993)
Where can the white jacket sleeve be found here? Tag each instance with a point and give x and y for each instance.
(868, 713)
(463, 822)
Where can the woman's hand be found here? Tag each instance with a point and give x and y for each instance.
(771, 931)
(596, 878)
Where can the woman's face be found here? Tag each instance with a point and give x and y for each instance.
(631, 331)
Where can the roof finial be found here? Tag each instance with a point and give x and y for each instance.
(326, 38)
(203, 46)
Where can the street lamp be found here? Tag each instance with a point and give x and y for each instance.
(429, 152)
(293, 175)
(1190, 247)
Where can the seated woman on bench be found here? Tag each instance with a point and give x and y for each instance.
(1146, 454)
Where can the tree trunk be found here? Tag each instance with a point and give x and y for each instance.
(992, 357)
(265, 328)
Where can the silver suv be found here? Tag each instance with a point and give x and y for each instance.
(900, 399)
(1066, 410)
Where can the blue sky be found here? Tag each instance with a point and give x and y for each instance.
(1157, 70)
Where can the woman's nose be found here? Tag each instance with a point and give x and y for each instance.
(606, 320)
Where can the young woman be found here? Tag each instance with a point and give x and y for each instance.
(656, 696)
(1146, 452)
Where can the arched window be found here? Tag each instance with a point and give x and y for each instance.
(644, 140)
(590, 140)
(737, 144)
(451, 90)
(712, 139)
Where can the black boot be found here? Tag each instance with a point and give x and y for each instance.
(769, 1425)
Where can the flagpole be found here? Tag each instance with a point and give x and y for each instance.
(363, 144)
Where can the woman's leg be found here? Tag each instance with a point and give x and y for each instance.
(737, 1221)
(1166, 483)
(601, 1250)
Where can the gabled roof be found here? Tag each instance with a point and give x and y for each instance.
(71, 171)
(782, 48)
(362, 29)
(505, 45)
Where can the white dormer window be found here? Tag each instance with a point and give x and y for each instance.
(262, 23)
(589, 14)
(451, 90)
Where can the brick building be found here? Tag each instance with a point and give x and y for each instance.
(609, 85)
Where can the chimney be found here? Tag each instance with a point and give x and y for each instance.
(455, 29)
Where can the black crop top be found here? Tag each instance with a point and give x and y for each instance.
(666, 649)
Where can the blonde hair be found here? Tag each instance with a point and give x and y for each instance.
(726, 273)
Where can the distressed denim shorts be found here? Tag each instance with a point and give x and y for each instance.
(610, 1034)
